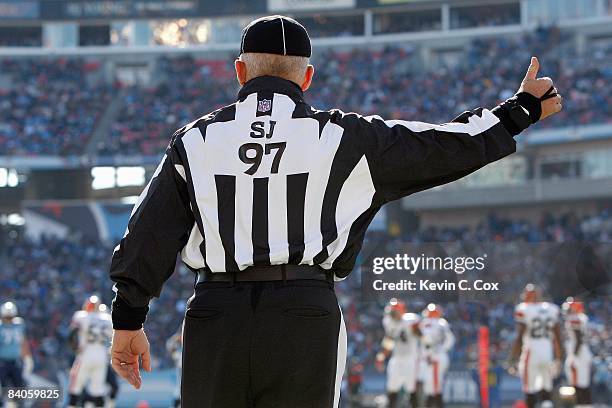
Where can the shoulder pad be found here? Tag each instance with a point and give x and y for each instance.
(410, 318)
(521, 312)
(551, 308)
(79, 314)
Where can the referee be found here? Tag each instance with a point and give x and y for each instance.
(267, 200)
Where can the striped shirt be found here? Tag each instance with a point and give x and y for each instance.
(270, 180)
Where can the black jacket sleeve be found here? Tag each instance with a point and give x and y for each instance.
(157, 231)
(407, 157)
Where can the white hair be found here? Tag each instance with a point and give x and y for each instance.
(288, 67)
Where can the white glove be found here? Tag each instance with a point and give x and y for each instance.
(512, 368)
(28, 366)
(555, 368)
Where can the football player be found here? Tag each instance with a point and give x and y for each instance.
(401, 341)
(91, 332)
(538, 342)
(15, 356)
(111, 379)
(174, 345)
(438, 340)
(578, 355)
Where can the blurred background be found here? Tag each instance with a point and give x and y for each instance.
(92, 90)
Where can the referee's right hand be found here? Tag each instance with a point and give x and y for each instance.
(127, 347)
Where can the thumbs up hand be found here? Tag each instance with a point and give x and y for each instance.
(538, 87)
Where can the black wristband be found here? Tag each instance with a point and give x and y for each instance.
(532, 104)
(512, 116)
(126, 317)
(504, 117)
(520, 117)
(519, 112)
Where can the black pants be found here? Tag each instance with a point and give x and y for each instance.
(263, 345)
(10, 374)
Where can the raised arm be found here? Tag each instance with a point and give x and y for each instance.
(406, 157)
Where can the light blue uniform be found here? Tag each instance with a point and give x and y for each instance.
(12, 336)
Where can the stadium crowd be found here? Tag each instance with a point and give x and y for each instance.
(51, 107)
(151, 114)
(51, 278)
(384, 83)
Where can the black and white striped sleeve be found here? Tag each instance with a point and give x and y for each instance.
(157, 231)
(406, 157)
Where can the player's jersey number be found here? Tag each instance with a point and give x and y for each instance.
(541, 327)
(97, 334)
(11, 336)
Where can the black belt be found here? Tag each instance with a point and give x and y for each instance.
(267, 273)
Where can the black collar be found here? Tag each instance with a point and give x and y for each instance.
(271, 84)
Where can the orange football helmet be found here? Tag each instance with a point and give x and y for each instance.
(531, 293)
(433, 311)
(572, 305)
(396, 308)
(92, 304)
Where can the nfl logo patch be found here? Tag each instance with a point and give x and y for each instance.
(264, 105)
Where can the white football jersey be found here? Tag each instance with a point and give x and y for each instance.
(174, 345)
(437, 335)
(539, 318)
(576, 322)
(406, 343)
(94, 330)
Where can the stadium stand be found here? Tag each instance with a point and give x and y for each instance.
(49, 106)
(66, 96)
(50, 278)
(150, 115)
(63, 98)
(364, 81)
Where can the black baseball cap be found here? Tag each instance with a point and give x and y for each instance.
(276, 35)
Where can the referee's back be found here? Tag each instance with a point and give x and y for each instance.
(269, 180)
(268, 201)
(275, 182)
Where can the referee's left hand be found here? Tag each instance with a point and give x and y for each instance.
(127, 347)
(538, 87)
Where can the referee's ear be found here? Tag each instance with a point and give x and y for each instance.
(307, 78)
(241, 71)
